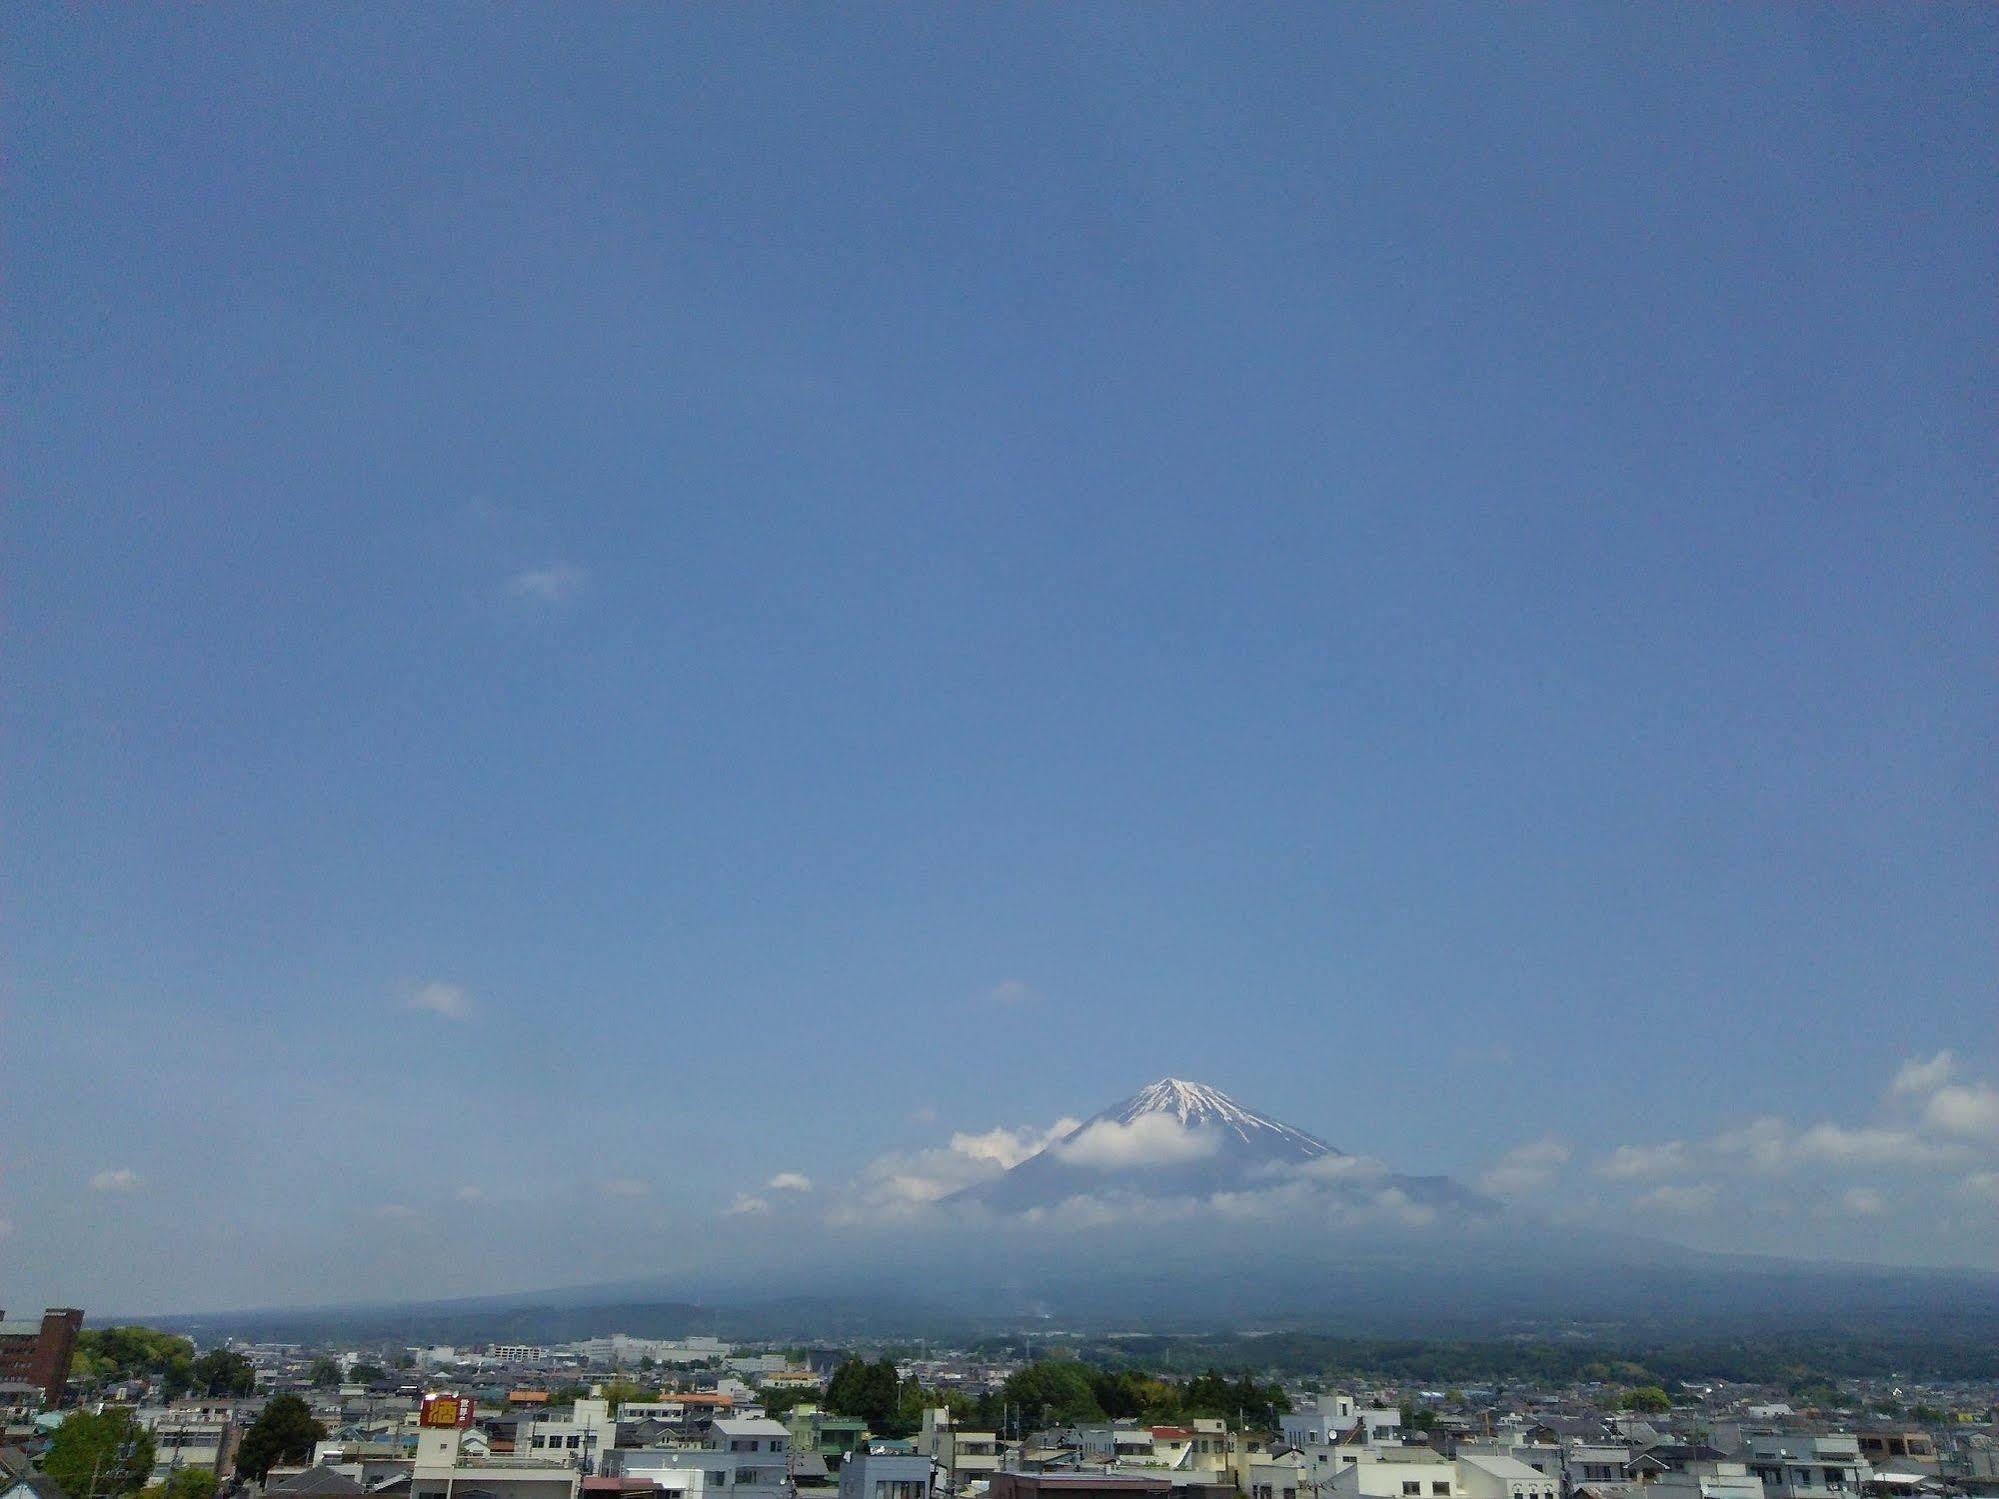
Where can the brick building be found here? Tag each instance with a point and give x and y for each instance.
(38, 1353)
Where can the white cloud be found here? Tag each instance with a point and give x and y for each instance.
(1922, 1077)
(397, 1212)
(1339, 1168)
(745, 1205)
(1011, 992)
(1685, 1200)
(1764, 1143)
(625, 1186)
(1629, 1162)
(1526, 1168)
(903, 1180)
(1981, 1186)
(1967, 1110)
(115, 1179)
(1867, 1145)
(1862, 1202)
(1398, 1206)
(469, 1193)
(1007, 1148)
(438, 998)
(548, 585)
(1149, 1140)
(790, 1181)
(1768, 1144)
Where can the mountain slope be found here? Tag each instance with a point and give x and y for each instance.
(1178, 1141)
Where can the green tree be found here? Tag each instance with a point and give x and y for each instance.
(779, 1401)
(1648, 1397)
(182, 1483)
(99, 1455)
(325, 1374)
(870, 1392)
(221, 1371)
(1241, 1402)
(619, 1390)
(1052, 1392)
(107, 1355)
(365, 1374)
(282, 1433)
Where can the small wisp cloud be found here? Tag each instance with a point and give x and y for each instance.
(553, 584)
(447, 1000)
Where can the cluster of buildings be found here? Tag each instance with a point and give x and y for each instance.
(695, 1418)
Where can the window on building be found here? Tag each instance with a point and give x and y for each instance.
(1440, 1488)
(1411, 1486)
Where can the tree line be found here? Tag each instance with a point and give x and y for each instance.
(111, 1355)
(1051, 1392)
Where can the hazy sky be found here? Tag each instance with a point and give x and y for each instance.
(604, 602)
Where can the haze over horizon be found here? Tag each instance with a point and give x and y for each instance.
(716, 618)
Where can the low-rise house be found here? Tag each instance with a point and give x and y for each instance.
(1006, 1485)
(1112, 1442)
(961, 1456)
(442, 1470)
(744, 1457)
(1274, 1475)
(869, 1474)
(832, 1437)
(1794, 1465)
(31, 1485)
(1498, 1477)
(1392, 1473)
(1897, 1447)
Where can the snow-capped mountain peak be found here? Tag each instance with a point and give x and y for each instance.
(1196, 1106)
(1176, 1140)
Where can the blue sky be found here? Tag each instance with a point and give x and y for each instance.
(603, 602)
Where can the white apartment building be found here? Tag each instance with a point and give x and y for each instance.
(581, 1437)
(1317, 1421)
(1328, 1419)
(520, 1353)
(188, 1436)
(622, 1350)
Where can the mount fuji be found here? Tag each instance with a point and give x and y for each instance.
(1177, 1141)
